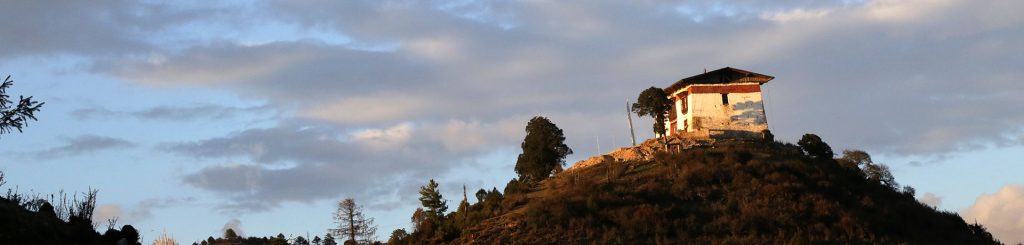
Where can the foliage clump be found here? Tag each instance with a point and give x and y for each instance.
(654, 102)
(544, 151)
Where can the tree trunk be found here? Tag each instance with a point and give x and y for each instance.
(352, 225)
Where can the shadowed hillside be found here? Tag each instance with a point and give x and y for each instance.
(739, 192)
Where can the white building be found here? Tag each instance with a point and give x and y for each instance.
(724, 103)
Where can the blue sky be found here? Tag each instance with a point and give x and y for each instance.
(194, 116)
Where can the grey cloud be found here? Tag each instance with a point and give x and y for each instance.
(280, 70)
(907, 78)
(84, 144)
(173, 113)
(937, 83)
(93, 28)
(144, 209)
(303, 163)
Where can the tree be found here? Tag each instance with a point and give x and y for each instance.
(15, 116)
(433, 203)
(480, 195)
(230, 235)
(654, 102)
(398, 236)
(329, 239)
(353, 224)
(854, 159)
(278, 240)
(814, 147)
(544, 150)
(880, 173)
(419, 220)
(300, 241)
(130, 235)
(875, 172)
(316, 240)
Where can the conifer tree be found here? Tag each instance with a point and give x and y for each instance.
(433, 203)
(329, 239)
(15, 116)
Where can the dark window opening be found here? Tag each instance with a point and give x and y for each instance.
(725, 99)
(683, 108)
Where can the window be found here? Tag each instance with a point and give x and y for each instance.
(725, 99)
(682, 108)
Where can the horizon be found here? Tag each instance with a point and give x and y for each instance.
(194, 117)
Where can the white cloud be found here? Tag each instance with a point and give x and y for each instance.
(1002, 213)
(385, 139)
(105, 212)
(931, 199)
(374, 108)
(796, 15)
(906, 11)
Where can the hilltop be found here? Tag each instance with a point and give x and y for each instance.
(747, 192)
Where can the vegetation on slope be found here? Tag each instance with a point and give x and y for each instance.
(730, 192)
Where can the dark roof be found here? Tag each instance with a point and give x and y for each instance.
(720, 76)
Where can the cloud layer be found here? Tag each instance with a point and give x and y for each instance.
(918, 77)
(302, 164)
(84, 144)
(407, 90)
(1002, 213)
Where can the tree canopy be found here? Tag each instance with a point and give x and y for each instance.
(544, 150)
(432, 201)
(653, 102)
(814, 147)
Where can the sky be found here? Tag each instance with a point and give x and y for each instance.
(194, 116)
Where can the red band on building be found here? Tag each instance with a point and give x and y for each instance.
(744, 88)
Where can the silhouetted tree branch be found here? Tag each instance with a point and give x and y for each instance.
(15, 115)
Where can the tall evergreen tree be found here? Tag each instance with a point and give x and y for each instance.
(329, 239)
(433, 203)
(544, 151)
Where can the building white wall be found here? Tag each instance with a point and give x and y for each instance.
(706, 114)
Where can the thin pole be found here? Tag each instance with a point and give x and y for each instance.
(629, 117)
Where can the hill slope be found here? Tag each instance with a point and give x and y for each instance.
(728, 192)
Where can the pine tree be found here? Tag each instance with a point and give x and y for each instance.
(15, 116)
(433, 202)
(329, 239)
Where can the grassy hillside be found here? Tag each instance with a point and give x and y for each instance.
(728, 192)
